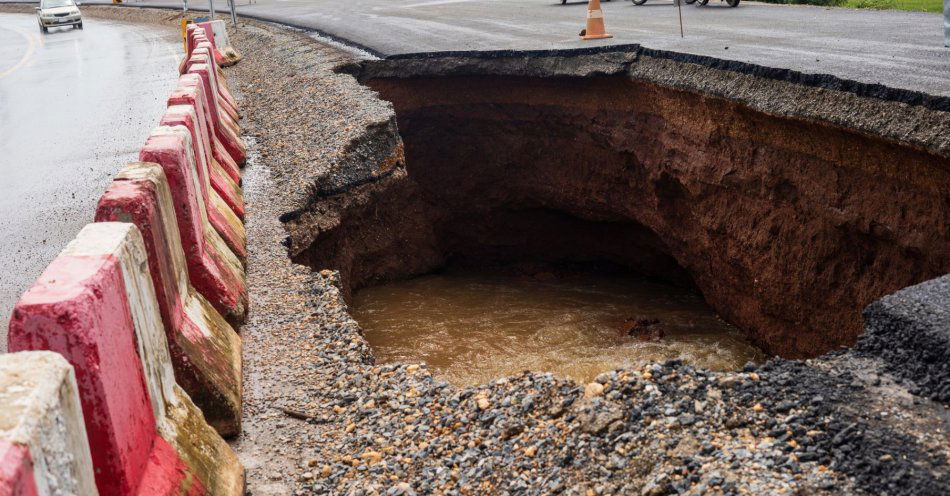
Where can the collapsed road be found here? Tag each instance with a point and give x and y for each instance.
(365, 171)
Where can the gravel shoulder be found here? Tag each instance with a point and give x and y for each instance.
(322, 418)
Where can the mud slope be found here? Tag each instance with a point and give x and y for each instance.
(790, 207)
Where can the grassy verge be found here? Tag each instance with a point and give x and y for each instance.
(911, 5)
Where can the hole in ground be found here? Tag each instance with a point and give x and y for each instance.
(787, 227)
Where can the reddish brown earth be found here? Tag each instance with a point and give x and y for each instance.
(788, 227)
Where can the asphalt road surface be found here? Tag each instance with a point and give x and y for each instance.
(898, 49)
(75, 105)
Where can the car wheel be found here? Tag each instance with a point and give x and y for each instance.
(563, 2)
(639, 2)
(732, 3)
(44, 29)
(79, 25)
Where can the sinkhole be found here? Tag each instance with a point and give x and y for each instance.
(579, 224)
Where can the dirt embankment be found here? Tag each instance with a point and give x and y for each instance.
(789, 222)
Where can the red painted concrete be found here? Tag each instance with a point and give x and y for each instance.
(167, 474)
(202, 368)
(209, 34)
(16, 470)
(235, 241)
(202, 53)
(79, 308)
(221, 80)
(211, 168)
(208, 271)
(190, 91)
(225, 127)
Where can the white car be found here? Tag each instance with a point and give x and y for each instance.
(53, 13)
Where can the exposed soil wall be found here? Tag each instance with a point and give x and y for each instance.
(788, 224)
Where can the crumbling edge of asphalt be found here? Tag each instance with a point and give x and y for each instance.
(910, 332)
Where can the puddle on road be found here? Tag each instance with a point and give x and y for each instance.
(471, 328)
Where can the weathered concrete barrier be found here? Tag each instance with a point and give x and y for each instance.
(190, 91)
(43, 444)
(222, 43)
(213, 268)
(226, 190)
(205, 350)
(216, 33)
(225, 100)
(222, 218)
(225, 126)
(95, 305)
(202, 47)
(227, 114)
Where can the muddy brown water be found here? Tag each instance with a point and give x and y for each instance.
(471, 328)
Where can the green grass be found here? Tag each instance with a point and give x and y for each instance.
(912, 5)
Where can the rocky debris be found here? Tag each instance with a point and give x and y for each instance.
(322, 418)
(644, 329)
(919, 318)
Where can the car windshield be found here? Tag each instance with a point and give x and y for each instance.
(52, 4)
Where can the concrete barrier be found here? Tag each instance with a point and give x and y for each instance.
(216, 33)
(96, 306)
(220, 215)
(198, 39)
(43, 444)
(225, 127)
(215, 271)
(222, 42)
(190, 91)
(201, 54)
(16, 471)
(205, 350)
(220, 181)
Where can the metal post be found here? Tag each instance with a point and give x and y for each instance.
(679, 6)
(234, 15)
(946, 23)
(184, 4)
(211, 8)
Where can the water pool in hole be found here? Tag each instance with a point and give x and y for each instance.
(472, 327)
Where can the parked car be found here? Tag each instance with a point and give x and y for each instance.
(54, 13)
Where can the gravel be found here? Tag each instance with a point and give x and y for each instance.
(322, 418)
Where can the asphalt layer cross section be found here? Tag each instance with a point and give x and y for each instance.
(902, 50)
(75, 106)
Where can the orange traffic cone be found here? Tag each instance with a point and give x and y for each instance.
(595, 23)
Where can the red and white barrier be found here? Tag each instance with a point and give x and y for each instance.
(96, 306)
(129, 313)
(225, 54)
(225, 126)
(220, 181)
(213, 268)
(43, 444)
(205, 350)
(220, 214)
(190, 91)
(201, 55)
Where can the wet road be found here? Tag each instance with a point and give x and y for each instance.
(75, 105)
(898, 49)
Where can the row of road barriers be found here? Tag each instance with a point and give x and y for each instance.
(124, 371)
